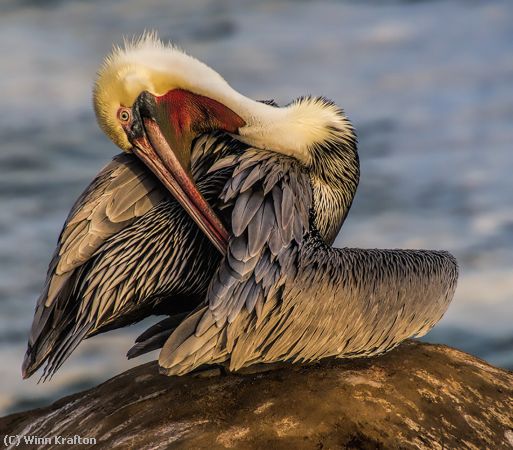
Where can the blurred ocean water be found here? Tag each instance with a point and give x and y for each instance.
(428, 85)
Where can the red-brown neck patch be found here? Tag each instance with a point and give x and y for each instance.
(188, 112)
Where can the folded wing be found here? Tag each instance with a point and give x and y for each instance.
(282, 294)
(126, 245)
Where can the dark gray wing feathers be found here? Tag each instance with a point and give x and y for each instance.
(266, 217)
(124, 247)
(282, 294)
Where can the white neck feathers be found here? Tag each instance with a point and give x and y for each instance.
(148, 64)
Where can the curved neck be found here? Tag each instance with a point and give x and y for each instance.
(334, 175)
(149, 64)
(317, 133)
(292, 130)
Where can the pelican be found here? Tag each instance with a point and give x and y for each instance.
(128, 249)
(282, 293)
(283, 179)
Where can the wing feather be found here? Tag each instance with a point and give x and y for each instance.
(303, 300)
(250, 275)
(114, 260)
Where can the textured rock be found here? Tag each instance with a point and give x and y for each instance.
(417, 396)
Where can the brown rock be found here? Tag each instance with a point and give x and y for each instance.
(417, 396)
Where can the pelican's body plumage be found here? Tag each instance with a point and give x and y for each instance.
(127, 250)
(281, 179)
(283, 294)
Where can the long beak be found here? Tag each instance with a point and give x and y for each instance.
(167, 153)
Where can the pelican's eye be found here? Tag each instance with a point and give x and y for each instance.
(124, 115)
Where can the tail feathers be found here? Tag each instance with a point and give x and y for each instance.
(155, 336)
(153, 343)
(185, 350)
(169, 323)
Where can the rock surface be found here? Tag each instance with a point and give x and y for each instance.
(417, 396)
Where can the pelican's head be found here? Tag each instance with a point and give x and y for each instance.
(148, 65)
(152, 99)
